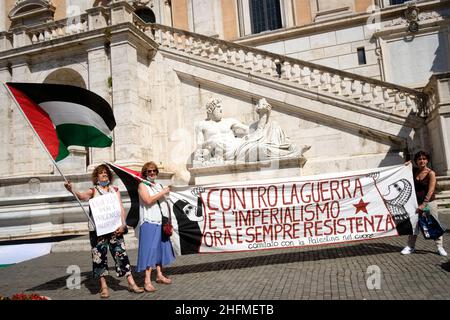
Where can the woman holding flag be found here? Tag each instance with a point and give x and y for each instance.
(102, 178)
(155, 249)
(62, 116)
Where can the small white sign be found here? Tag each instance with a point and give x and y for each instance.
(106, 212)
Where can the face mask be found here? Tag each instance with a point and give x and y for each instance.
(150, 179)
(103, 183)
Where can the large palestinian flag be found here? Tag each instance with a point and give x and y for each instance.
(64, 116)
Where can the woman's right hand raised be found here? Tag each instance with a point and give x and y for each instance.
(68, 186)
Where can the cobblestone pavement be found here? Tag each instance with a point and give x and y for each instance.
(342, 271)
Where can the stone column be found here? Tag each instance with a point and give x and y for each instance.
(6, 130)
(29, 157)
(287, 13)
(2, 16)
(128, 132)
(167, 14)
(100, 82)
(206, 17)
(438, 121)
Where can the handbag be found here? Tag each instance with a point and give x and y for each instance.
(167, 227)
(429, 225)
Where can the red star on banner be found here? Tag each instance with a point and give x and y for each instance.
(361, 206)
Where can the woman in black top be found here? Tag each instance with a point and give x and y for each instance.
(424, 184)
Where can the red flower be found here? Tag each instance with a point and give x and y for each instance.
(24, 296)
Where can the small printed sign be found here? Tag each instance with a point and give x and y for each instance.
(106, 212)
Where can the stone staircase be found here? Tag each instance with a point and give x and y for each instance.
(443, 194)
(371, 93)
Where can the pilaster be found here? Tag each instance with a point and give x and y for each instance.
(29, 157)
(128, 133)
(100, 82)
(6, 132)
(438, 121)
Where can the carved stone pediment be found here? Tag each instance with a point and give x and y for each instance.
(31, 12)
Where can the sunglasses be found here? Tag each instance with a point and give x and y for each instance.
(150, 171)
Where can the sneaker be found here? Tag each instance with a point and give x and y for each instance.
(441, 252)
(407, 250)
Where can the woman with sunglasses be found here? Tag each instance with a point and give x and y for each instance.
(424, 184)
(155, 249)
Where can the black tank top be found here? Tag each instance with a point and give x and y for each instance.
(421, 187)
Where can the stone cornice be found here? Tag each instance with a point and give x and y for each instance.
(236, 166)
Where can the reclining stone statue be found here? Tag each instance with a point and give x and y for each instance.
(226, 140)
(266, 139)
(217, 138)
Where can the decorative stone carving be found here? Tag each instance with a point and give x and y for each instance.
(266, 139)
(430, 15)
(35, 185)
(395, 22)
(217, 138)
(412, 18)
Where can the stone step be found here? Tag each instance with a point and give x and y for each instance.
(443, 183)
(443, 200)
(444, 211)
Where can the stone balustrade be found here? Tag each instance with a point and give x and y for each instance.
(57, 29)
(367, 91)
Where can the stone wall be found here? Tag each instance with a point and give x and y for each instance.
(22, 149)
(383, 36)
(336, 49)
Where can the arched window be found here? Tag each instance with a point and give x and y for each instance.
(146, 15)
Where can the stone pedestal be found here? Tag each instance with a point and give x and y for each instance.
(283, 168)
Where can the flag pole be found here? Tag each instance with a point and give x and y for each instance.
(48, 153)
